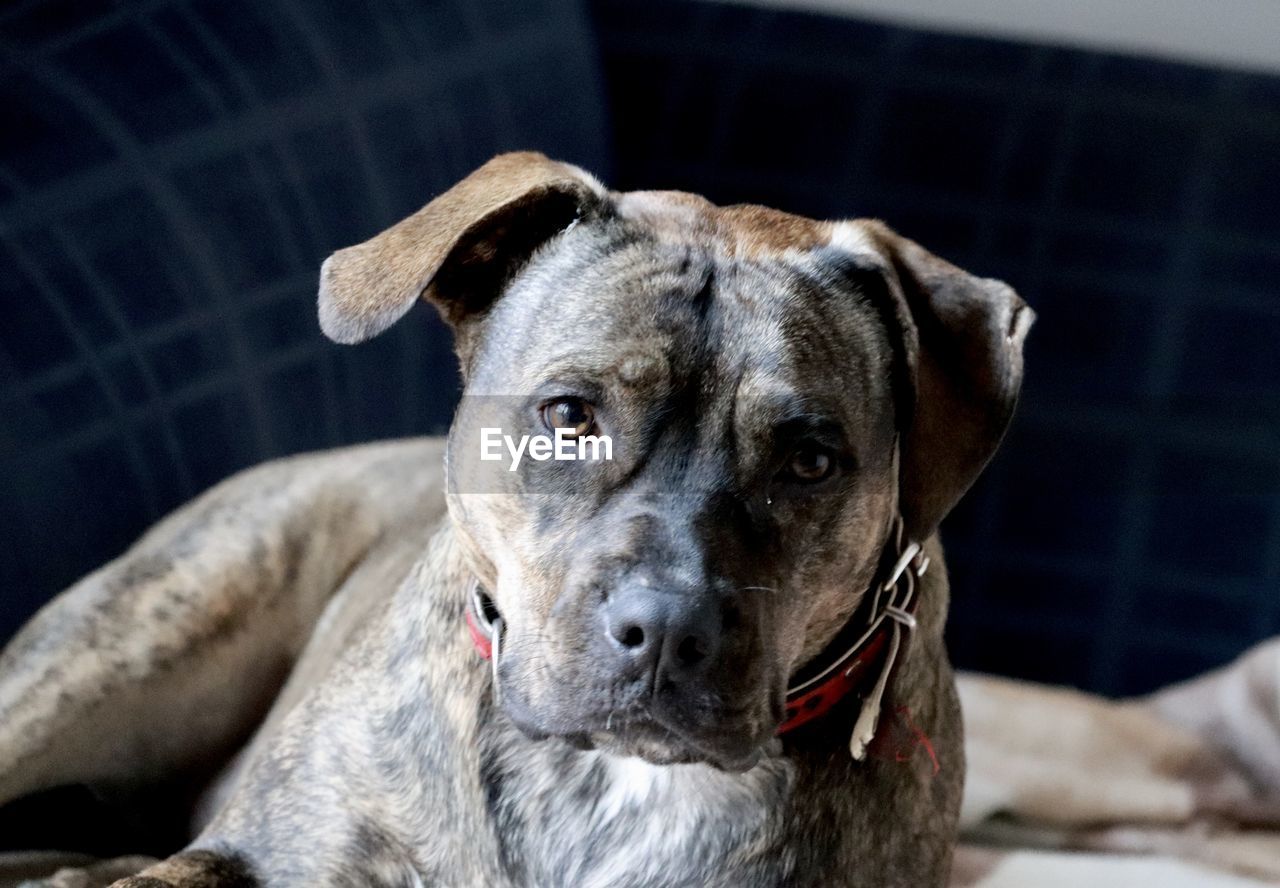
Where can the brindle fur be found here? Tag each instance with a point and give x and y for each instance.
(310, 612)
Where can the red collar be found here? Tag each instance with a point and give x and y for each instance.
(864, 666)
(867, 664)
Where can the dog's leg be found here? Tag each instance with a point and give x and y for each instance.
(193, 869)
(99, 874)
(167, 657)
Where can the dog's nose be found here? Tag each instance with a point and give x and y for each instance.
(674, 636)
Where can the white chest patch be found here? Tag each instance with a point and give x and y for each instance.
(666, 810)
(633, 782)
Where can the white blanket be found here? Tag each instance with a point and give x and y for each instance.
(1180, 788)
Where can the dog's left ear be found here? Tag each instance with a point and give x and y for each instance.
(963, 337)
(458, 251)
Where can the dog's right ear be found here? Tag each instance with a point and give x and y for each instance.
(458, 251)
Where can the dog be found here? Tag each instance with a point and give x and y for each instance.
(714, 658)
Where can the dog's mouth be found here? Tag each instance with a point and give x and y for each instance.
(658, 734)
(654, 742)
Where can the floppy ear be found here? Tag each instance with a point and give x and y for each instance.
(458, 251)
(963, 337)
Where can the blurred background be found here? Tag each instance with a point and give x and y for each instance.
(172, 173)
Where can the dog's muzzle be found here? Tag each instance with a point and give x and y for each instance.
(861, 661)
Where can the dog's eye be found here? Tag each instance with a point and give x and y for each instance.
(572, 414)
(809, 463)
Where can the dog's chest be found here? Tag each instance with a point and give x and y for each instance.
(591, 819)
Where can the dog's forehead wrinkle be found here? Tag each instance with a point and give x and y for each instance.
(682, 301)
(774, 398)
(612, 303)
(801, 379)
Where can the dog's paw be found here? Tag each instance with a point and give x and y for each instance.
(94, 875)
(192, 869)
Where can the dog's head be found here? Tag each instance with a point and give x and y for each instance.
(775, 390)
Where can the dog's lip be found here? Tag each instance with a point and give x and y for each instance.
(652, 725)
(661, 738)
(691, 722)
(655, 742)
